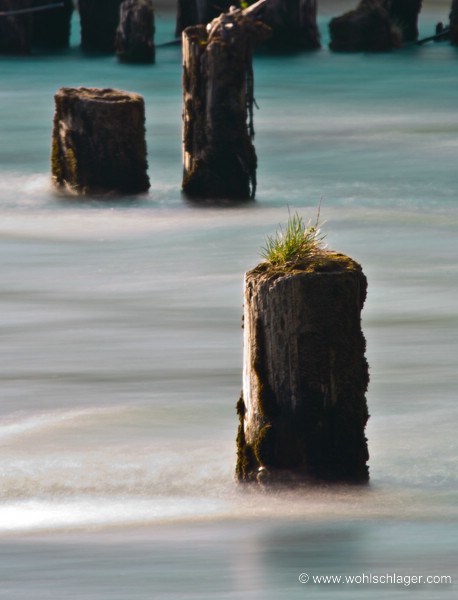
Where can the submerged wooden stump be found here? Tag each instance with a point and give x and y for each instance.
(367, 28)
(98, 141)
(218, 153)
(135, 33)
(99, 21)
(303, 409)
(16, 30)
(51, 27)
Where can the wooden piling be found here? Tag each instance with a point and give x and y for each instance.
(218, 154)
(99, 20)
(52, 27)
(98, 141)
(454, 23)
(303, 409)
(16, 27)
(135, 34)
(368, 28)
(405, 13)
(293, 23)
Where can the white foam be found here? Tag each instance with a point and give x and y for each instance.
(37, 514)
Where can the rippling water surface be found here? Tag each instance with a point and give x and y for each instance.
(121, 339)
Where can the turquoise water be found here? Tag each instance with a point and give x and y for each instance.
(121, 341)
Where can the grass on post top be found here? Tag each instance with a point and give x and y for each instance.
(296, 244)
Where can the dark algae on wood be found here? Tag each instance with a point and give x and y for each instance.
(98, 141)
(303, 411)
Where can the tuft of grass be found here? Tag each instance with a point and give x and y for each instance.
(296, 244)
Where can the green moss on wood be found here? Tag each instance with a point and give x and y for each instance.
(325, 261)
(56, 166)
(246, 462)
(264, 446)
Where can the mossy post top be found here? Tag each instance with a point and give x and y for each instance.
(322, 261)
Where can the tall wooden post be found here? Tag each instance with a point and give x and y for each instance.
(51, 28)
(98, 141)
(303, 408)
(135, 33)
(99, 20)
(218, 154)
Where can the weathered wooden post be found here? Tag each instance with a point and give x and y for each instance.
(293, 23)
(454, 23)
(303, 409)
(367, 28)
(51, 27)
(405, 14)
(218, 153)
(98, 141)
(15, 27)
(135, 34)
(99, 20)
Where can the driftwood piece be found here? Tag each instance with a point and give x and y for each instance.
(135, 33)
(98, 141)
(367, 28)
(16, 27)
(218, 153)
(303, 409)
(99, 20)
(51, 27)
